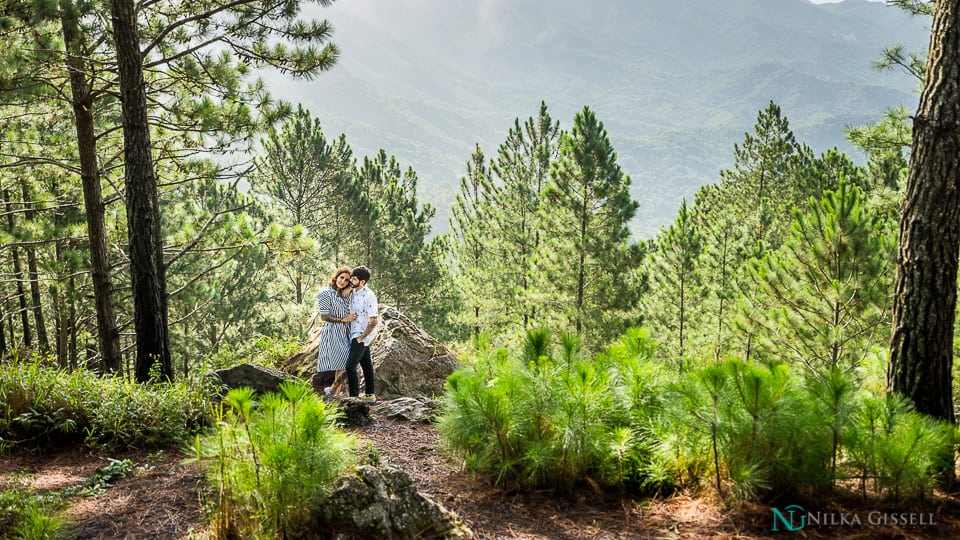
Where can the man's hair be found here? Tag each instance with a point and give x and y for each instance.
(362, 273)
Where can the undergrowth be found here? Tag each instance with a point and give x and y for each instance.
(42, 406)
(270, 462)
(545, 417)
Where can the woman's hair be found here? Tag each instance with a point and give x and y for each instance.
(333, 278)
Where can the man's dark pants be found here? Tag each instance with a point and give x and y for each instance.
(359, 354)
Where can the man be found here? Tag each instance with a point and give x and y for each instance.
(363, 303)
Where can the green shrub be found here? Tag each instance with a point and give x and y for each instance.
(763, 432)
(894, 447)
(627, 420)
(270, 462)
(42, 405)
(530, 421)
(24, 515)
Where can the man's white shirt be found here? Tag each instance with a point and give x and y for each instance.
(363, 302)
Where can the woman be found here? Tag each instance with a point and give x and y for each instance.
(333, 302)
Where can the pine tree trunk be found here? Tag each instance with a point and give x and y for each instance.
(10, 329)
(3, 335)
(60, 300)
(72, 322)
(147, 272)
(108, 337)
(33, 275)
(921, 346)
(36, 300)
(18, 276)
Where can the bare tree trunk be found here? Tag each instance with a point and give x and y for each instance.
(3, 317)
(60, 300)
(108, 337)
(18, 276)
(33, 274)
(72, 322)
(147, 271)
(13, 336)
(924, 307)
(921, 347)
(36, 300)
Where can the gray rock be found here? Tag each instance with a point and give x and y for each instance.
(409, 362)
(383, 503)
(355, 413)
(410, 409)
(261, 379)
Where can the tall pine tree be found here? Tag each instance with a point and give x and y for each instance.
(522, 171)
(591, 258)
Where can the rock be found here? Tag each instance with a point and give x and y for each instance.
(356, 413)
(383, 503)
(304, 363)
(404, 408)
(261, 379)
(408, 362)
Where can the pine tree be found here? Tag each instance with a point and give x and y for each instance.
(590, 208)
(390, 230)
(61, 35)
(470, 237)
(307, 177)
(225, 290)
(675, 292)
(724, 254)
(925, 289)
(521, 172)
(250, 29)
(762, 182)
(825, 174)
(829, 283)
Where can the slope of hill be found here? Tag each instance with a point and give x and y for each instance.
(676, 83)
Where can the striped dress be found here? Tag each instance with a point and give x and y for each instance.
(334, 337)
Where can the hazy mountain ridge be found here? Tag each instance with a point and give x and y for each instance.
(675, 83)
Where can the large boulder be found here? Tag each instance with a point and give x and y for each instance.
(384, 503)
(261, 379)
(407, 361)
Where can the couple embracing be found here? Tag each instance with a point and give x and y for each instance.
(349, 312)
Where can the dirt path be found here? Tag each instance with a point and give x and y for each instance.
(161, 500)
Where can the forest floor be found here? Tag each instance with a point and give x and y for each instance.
(162, 500)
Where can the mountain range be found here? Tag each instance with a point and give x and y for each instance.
(676, 83)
